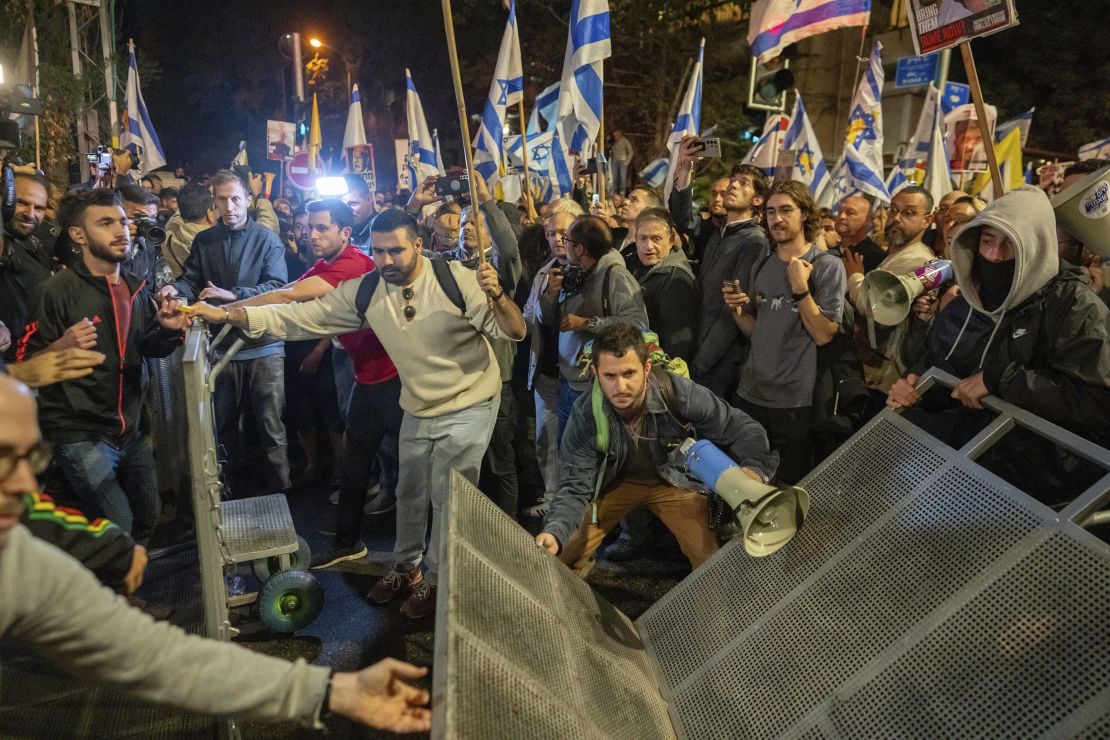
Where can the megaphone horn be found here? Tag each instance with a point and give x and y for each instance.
(1083, 210)
(890, 297)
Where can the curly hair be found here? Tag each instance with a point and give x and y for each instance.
(799, 193)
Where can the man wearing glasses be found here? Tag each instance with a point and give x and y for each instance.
(450, 380)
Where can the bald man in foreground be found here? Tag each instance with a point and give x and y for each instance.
(52, 604)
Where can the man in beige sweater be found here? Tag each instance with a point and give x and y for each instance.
(911, 213)
(450, 380)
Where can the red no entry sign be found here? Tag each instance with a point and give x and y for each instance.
(300, 176)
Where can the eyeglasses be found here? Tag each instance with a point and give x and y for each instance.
(408, 311)
(38, 457)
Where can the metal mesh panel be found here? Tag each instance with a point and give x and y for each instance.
(524, 648)
(907, 541)
(258, 526)
(1017, 659)
(848, 495)
(165, 407)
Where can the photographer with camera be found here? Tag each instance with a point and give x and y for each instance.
(147, 236)
(594, 290)
(24, 259)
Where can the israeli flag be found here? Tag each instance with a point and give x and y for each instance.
(938, 174)
(580, 92)
(837, 188)
(864, 146)
(439, 154)
(809, 162)
(1023, 123)
(422, 162)
(138, 132)
(545, 107)
(905, 171)
(764, 152)
(655, 172)
(559, 172)
(539, 152)
(507, 89)
(354, 133)
(688, 120)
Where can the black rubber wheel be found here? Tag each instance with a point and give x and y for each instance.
(267, 567)
(290, 600)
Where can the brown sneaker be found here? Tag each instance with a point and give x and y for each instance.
(421, 602)
(389, 585)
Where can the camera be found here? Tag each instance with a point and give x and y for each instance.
(574, 279)
(101, 159)
(452, 185)
(149, 230)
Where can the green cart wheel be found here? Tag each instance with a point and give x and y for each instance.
(267, 567)
(290, 600)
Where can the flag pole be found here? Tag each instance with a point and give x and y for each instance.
(981, 113)
(524, 153)
(601, 151)
(464, 126)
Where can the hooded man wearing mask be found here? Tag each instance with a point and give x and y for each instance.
(1025, 327)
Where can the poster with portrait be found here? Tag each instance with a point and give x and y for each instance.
(939, 24)
(281, 136)
(964, 138)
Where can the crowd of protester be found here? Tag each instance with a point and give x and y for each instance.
(555, 354)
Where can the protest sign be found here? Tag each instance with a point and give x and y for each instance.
(939, 24)
(280, 136)
(965, 139)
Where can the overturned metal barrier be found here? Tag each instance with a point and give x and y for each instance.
(925, 597)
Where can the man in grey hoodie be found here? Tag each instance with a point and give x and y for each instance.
(593, 291)
(1025, 327)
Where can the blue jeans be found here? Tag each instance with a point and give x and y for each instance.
(430, 447)
(567, 397)
(115, 482)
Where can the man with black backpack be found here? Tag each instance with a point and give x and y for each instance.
(620, 453)
(792, 306)
(433, 318)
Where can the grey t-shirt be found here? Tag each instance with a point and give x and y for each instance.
(782, 368)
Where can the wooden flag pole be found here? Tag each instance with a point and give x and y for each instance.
(981, 113)
(464, 126)
(601, 154)
(527, 183)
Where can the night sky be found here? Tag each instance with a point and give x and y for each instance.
(212, 72)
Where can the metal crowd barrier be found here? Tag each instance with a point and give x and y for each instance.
(925, 597)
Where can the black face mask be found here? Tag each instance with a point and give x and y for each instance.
(995, 280)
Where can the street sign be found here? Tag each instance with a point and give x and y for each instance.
(916, 71)
(955, 95)
(300, 176)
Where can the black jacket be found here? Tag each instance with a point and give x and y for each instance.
(104, 405)
(24, 264)
(730, 254)
(672, 299)
(246, 262)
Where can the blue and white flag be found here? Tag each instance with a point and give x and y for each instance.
(354, 133)
(138, 132)
(439, 154)
(775, 24)
(688, 120)
(905, 171)
(580, 92)
(809, 162)
(765, 151)
(655, 172)
(539, 153)
(506, 89)
(559, 168)
(545, 107)
(1095, 150)
(938, 175)
(1022, 123)
(422, 162)
(837, 188)
(864, 145)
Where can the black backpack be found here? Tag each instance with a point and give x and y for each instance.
(444, 277)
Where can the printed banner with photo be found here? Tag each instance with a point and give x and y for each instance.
(280, 139)
(964, 137)
(939, 24)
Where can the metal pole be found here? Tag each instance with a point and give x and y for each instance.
(464, 126)
(109, 73)
(75, 59)
(524, 153)
(298, 69)
(981, 112)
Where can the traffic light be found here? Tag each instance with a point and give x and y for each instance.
(767, 84)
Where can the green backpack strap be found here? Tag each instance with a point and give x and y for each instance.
(601, 421)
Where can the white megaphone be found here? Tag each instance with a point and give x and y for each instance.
(889, 297)
(1083, 210)
(769, 517)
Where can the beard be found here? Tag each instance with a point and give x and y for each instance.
(105, 253)
(397, 275)
(895, 237)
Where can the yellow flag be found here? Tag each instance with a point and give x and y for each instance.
(315, 138)
(1008, 153)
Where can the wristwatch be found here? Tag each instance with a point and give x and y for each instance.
(593, 323)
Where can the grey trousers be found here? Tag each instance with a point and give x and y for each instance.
(429, 449)
(261, 383)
